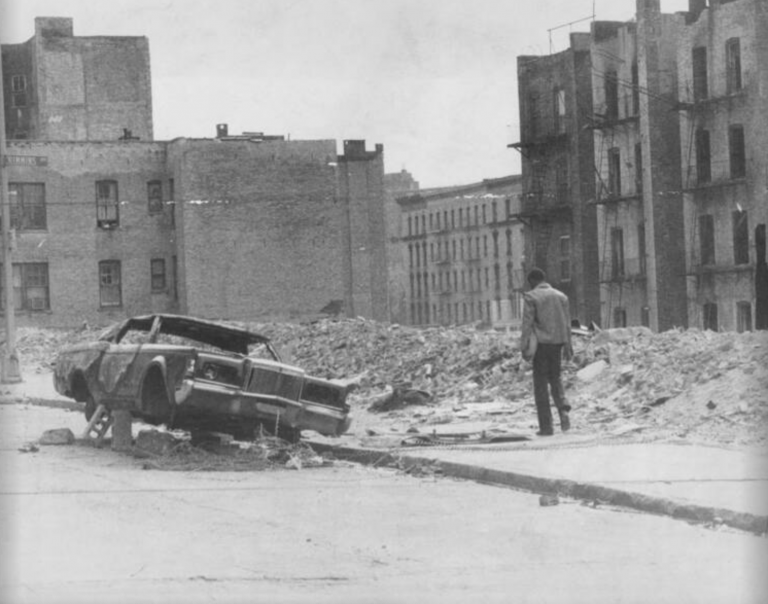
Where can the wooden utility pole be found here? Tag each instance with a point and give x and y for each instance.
(11, 372)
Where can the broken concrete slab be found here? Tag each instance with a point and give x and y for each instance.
(57, 436)
(591, 371)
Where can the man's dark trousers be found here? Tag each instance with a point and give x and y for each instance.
(546, 375)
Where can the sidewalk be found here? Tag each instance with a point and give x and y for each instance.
(695, 483)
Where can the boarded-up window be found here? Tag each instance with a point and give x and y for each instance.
(614, 172)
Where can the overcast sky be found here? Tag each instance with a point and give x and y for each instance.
(434, 81)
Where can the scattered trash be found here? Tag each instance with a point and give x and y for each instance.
(711, 405)
(549, 500)
(29, 448)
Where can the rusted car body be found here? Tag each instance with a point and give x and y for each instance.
(195, 374)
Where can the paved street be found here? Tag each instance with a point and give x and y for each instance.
(85, 525)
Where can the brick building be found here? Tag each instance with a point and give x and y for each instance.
(464, 250)
(557, 151)
(722, 53)
(62, 87)
(108, 223)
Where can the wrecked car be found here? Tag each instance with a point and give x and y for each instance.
(195, 374)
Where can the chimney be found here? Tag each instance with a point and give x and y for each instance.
(222, 130)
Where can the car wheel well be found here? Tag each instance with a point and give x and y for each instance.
(79, 388)
(154, 396)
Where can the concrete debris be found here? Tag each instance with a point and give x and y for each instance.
(29, 448)
(549, 500)
(437, 376)
(57, 436)
(154, 442)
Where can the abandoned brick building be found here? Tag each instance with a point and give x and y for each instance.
(107, 222)
(463, 250)
(673, 221)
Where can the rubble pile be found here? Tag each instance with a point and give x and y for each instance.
(698, 385)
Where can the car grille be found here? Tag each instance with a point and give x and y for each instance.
(275, 383)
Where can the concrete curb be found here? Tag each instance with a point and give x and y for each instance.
(576, 490)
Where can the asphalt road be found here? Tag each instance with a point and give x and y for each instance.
(83, 525)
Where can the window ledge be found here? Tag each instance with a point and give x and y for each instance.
(715, 184)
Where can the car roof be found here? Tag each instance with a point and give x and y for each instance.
(222, 335)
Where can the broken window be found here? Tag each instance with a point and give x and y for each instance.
(155, 196)
(707, 239)
(27, 204)
(743, 317)
(495, 244)
(110, 289)
(611, 87)
(617, 253)
(703, 157)
(638, 168)
(740, 237)
(709, 312)
(641, 248)
(737, 151)
(614, 172)
(565, 258)
(157, 273)
(107, 208)
(733, 65)
(619, 317)
(700, 83)
(559, 110)
(31, 291)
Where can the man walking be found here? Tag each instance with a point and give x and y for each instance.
(547, 319)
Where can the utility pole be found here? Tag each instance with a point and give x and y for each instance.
(10, 361)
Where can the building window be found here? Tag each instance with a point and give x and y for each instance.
(733, 65)
(18, 91)
(175, 268)
(635, 89)
(533, 114)
(645, 316)
(737, 151)
(107, 208)
(561, 180)
(641, 248)
(700, 84)
(509, 242)
(31, 291)
(559, 110)
(740, 237)
(484, 215)
(611, 83)
(707, 239)
(508, 208)
(709, 311)
(157, 272)
(27, 203)
(703, 157)
(494, 212)
(619, 317)
(743, 317)
(614, 172)
(638, 168)
(495, 244)
(155, 196)
(617, 253)
(565, 258)
(110, 289)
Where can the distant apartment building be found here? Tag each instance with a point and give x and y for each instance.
(557, 149)
(722, 62)
(464, 249)
(637, 146)
(64, 87)
(107, 223)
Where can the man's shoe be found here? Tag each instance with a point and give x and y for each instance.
(565, 421)
(545, 433)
